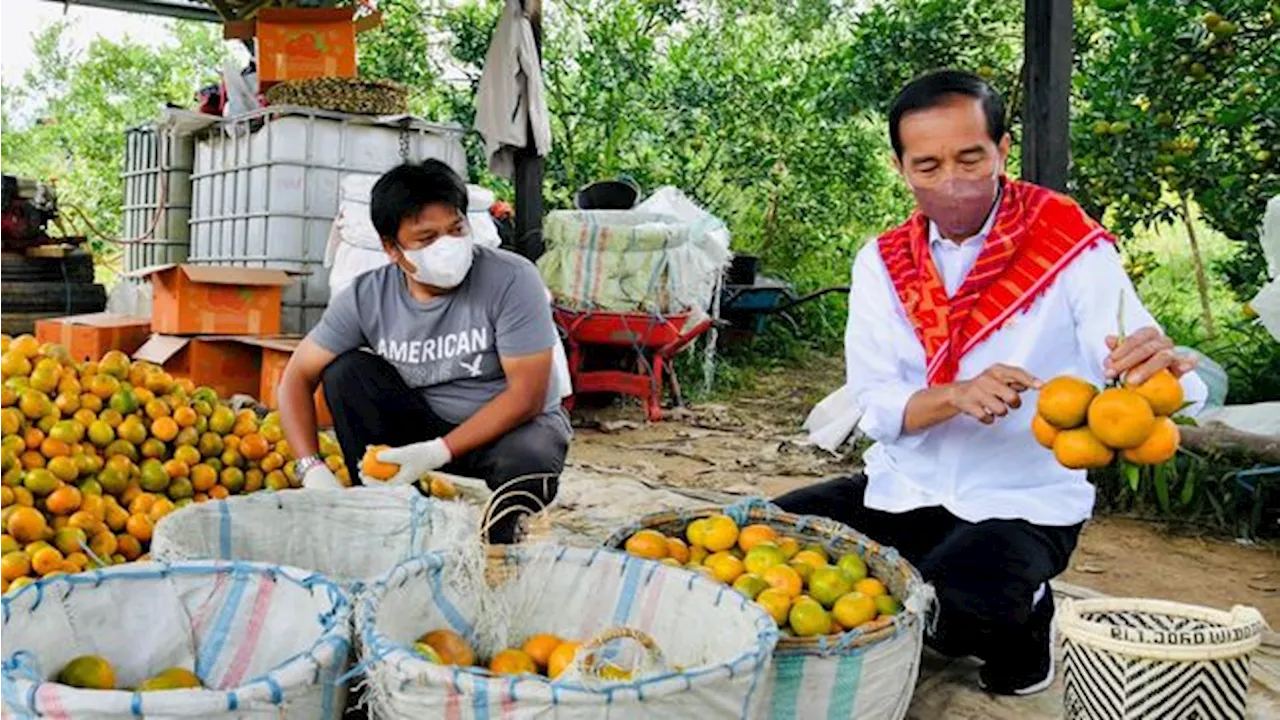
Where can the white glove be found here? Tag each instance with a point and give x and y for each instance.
(414, 460)
(320, 477)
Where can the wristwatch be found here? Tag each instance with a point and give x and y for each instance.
(303, 466)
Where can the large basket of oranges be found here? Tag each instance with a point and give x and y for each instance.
(852, 612)
(348, 535)
(566, 633)
(195, 640)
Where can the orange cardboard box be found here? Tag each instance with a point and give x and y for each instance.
(89, 337)
(213, 300)
(224, 363)
(300, 43)
(275, 356)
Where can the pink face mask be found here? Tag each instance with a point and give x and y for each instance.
(959, 206)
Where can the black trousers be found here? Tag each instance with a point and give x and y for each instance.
(986, 574)
(372, 405)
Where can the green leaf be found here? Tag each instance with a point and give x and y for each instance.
(1188, 489)
(1132, 475)
(1162, 486)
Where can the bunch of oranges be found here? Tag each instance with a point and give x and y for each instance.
(1085, 428)
(543, 654)
(806, 593)
(95, 454)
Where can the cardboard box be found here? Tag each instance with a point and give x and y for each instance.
(300, 43)
(275, 356)
(89, 337)
(214, 300)
(224, 363)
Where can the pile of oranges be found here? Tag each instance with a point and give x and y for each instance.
(542, 654)
(1085, 428)
(800, 586)
(95, 454)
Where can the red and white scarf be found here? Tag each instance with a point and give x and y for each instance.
(1036, 234)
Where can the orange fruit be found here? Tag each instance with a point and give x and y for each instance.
(218, 492)
(1159, 447)
(185, 417)
(1162, 392)
(1121, 418)
(33, 437)
(561, 658)
(117, 517)
(677, 550)
(512, 662)
(176, 468)
(812, 558)
(14, 565)
(32, 460)
(721, 533)
(777, 602)
(870, 587)
(164, 429)
(649, 544)
(140, 526)
(162, 507)
(1064, 401)
(69, 541)
(808, 618)
(78, 560)
(753, 535)
(203, 477)
(63, 501)
(1080, 449)
(453, 650)
(539, 647)
(88, 672)
(46, 560)
(254, 447)
(1043, 431)
(129, 546)
(854, 609)
(103, 544)
(371, 466)
(784, 578)
(26, 524)
(725, 567)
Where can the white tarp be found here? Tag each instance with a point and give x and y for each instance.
(1267, 302)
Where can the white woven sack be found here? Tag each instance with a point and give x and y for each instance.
(347, 535)
(722, 642)
(1128, 659)
(267, 641)
(872, 682)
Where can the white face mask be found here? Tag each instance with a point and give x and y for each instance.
(444, 263)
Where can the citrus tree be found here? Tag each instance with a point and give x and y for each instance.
(1174, 107)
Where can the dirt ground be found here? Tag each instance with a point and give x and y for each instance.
(751, 446)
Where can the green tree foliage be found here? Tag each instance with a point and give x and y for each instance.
(66, 119)
(1175, 103)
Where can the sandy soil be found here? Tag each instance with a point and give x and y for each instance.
(751, 447)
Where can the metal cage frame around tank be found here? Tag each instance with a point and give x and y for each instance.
(157, 195)
(231, 226)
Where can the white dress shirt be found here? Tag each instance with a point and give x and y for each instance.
(976, 471)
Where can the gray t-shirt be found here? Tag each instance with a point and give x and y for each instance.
(449, 347)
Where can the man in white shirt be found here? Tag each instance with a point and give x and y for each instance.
(955, 319)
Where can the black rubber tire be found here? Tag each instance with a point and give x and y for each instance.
(66, 298)
(15, 267)
(15, 324)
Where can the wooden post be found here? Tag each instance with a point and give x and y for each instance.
(1046, 141)
(529, 168)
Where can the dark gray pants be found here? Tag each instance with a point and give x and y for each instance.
(372, 405)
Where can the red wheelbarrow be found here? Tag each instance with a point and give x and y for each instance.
(656, 339)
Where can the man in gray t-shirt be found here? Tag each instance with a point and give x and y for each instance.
(445, 355)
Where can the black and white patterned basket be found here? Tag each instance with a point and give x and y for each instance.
(1130, 658)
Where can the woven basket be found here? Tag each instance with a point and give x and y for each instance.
(717, 646)
(1131, 658)
(266, 641)
(868, 672)
(357, 96)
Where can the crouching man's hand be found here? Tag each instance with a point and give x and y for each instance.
(320, 477)
(993, 393)
(414, 460)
